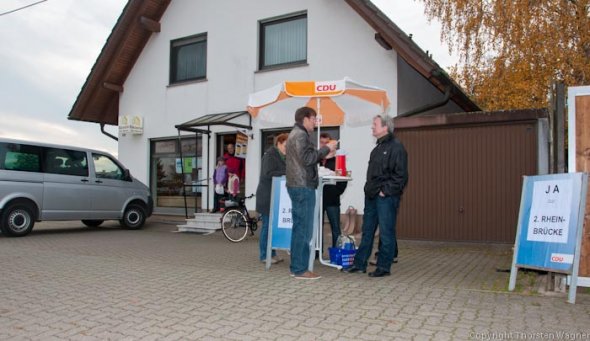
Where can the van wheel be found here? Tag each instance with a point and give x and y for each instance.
(134, 217)
(17, 220)
(92, 223)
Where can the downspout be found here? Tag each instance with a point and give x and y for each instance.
(107, 134)
(443, 101)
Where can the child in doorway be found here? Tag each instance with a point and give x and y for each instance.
(220, 181)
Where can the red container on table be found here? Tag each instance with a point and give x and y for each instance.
(340, 164)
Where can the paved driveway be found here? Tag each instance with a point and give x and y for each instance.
(65, 281)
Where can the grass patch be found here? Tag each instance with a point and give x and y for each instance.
(526, 283)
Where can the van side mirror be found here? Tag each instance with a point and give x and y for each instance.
(127, 175)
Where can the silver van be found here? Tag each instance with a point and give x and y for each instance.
(49, 182)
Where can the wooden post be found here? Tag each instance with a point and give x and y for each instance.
(582, 107)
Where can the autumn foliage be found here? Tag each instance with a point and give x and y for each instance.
(512, 50)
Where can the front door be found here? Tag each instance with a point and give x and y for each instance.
(235, 144)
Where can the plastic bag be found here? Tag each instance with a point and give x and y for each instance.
(346, 242)
(219, 189)
(233, 184)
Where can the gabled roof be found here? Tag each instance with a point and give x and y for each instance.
(98, 100)
(389, 34)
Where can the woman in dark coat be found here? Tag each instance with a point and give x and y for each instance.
(273, 164)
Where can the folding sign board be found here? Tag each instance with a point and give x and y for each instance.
(280, 221)
(549, 232)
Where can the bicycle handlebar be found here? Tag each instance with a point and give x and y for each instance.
(241, 199)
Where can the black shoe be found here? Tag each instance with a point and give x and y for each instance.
(379, 273)
(374, 262)
(352, 270)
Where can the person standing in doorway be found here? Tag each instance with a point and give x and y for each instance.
(273, 164)
(387, 176)
(302, 182)
(235, 165)
(332, 193)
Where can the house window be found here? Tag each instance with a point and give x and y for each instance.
(269, 136)
(283, 41)
(169, 173)
(188, 59)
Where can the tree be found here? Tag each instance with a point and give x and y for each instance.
(511, 50)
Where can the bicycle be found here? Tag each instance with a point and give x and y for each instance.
(236, 220)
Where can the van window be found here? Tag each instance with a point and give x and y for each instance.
(65, 161)
(106, 168)
(20, 157)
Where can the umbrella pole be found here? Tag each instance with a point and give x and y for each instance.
(318, 221)
(319, 125)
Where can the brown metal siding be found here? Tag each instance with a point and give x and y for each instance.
(465, 181)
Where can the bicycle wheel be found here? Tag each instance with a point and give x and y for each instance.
(234, 225)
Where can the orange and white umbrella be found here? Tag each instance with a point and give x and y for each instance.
(336, 102)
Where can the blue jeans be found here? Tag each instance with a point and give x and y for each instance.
(263, 239)
(303, 206)
(333, 213)
(380, 211)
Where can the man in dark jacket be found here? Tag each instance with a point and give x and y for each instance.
(332, 193)
(302, 181)
(387, 176)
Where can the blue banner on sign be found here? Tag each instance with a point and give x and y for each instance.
(280, 215)
(548, 225)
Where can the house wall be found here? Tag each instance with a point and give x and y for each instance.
(340, 43)
(416, 91)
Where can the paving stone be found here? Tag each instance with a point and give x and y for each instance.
(65, 281)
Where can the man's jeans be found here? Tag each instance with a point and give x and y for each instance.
(303, 207)
(333, 213)
(380, 211)
(263, 241)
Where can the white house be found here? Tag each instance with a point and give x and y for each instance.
(168, 62)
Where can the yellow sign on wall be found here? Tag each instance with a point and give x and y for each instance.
(131, 124)
(241, 145)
